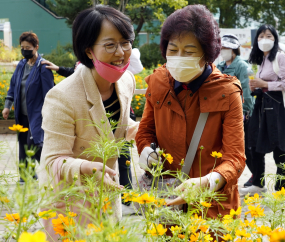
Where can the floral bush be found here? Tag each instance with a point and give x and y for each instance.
(7, 55)
(5, 78)
(138, 100)
(157, 223)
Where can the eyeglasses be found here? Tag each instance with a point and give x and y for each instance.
(111, 47)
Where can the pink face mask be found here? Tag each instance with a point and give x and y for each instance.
(109, 72)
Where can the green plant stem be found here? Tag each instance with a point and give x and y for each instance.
(200, 169)
(21, 212)
(101, 188)
(135, 169)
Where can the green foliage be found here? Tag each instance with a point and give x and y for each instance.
(5, 78)
(151, 55)
(62, 55)
(232, 11)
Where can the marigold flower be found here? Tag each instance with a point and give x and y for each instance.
(205, 204)
(216, 154)
(157, 230)
(18, 128)
(234, 213)
(72, 214)
(92, 228)
(227, 237)
(4, 200)
(168, 157)
(255, 212)
(278, 235)
(128, 163)
(61, 224)
(176, 228)
(106, 205)
(160, 202)
(129, 197)
(145, 198)
(264, 230)
(38, 236)
(254, 199)
(137, 107)
(181, 236)
(47, 214)
(242, 233)
(279, 194)
(15, 217)
(194, 237)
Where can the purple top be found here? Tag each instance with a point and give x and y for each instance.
(266, 73)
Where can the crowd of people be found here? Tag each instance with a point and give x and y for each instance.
(189, 102)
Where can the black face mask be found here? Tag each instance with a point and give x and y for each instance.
(28, 54)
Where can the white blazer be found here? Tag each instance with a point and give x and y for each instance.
(67, 135)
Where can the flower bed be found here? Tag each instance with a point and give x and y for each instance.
(157, 222)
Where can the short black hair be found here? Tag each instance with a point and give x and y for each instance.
(236, 51)
(87, 25)
(256, 55)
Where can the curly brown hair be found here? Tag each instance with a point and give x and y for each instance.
(198, 20)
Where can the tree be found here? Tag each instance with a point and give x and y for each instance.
(141, 12)
(240, 13)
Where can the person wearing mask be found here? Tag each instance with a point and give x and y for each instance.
(28, 87)
(187, 88)
(135, 67)
(233, 65)
(102, 42)
(266, 126)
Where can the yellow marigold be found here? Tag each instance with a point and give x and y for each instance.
(216, 154)
(157, 230)
(242, 233)
(264, 230)
(47, 214)
(137, 97)
(72, 214)
(168, 157)
(175, 229)
(139, 103)
(247, 224)
(137, 107)
(39, 236)
(106, 205)
(129, 197)
(207, 238)
(255, 212)
(204, 228)
(18, 128)
(160, 202)
(227, 237)
(145, 198)
(158, 65)
(61, 225)
(15, 217)
(205, 204)
(194, 237)
(279, 194)
(4, 200)
(236, 213)
(251, 200)
(92, 228)
(278, 235)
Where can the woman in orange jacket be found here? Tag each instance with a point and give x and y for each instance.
(190, 84)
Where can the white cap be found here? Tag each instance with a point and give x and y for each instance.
(230, 41)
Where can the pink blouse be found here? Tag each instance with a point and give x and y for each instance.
(266, 73)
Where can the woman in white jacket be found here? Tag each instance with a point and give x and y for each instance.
(102, 42)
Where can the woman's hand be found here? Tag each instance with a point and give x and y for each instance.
(192, 182)
(5, 113)
(50, 65)
(87, 168)
(257, 83)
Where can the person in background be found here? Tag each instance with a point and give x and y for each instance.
(267, 124)
(125, 171)
(233, 65)
(28, 87)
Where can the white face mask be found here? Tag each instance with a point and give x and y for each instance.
(265, 44)
(183, 69)
(226, 54)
